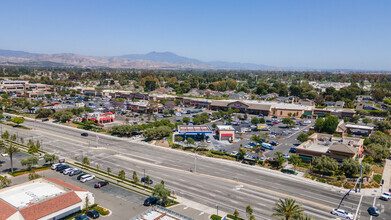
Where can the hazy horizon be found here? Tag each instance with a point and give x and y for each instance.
(301, 34)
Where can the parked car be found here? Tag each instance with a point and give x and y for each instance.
(144, 179)
(274, 143)
(67, 171)
(342, 213)
(86, 178)
(267, 146)
(292, 150)
(54, 166)
(46, 119)
(4, 154)
(84, 134)
(92, 214)
(80, 176)
(234, 153)
(101, 184)
(150, 201)
(286, 156)
(296, 129)
(373, 211)
(61, 167)
(385, 196)
(81, 217)
(75, 172)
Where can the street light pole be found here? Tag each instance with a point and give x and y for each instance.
(360, 177)
(217, 207)
(195, 160)
(144, 177)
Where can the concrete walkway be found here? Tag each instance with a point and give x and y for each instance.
(387, 176)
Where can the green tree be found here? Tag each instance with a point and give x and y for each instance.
(33, 175)
(135, 178)
(11, 150)
(236, 214)
(33, 150)
(262, 121)
(325, 164)
(160, 192)
(50, 158)
(186, 120)
(178, 138)
(121, 174)
(63, 116)
(249, 210)
(147, 180)
(319, 124)
(5, 135)
(367, 168)
(295, 160)
(242, 153)
(214, 126)
(86, 161)
(13, 137)
(287, 209)
(255, 121)
(302, 137)
(304, 217)
(4, 181)
(288, 121)
(366, 121)
(350, 167)
(43, 113)
(255, 138)
(378, 151)
(18, 120)
(190, 141)
(29, 162)
(279, 159)
(330, 124)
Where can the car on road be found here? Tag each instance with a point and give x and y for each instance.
(101, 184)
(75, 172)
(342, 213)
(86, 178)
(373, 211)
(92, 214)
(385, 196)
(67, 171)
(296, 129)
(84, 134)
(46, 119)
(81, 217)
(144, 180)
(4, 154)
(80, 176)
(150, 201)
(307, 122)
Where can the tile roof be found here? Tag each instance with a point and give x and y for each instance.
(343, 148)
(6, 210)
(50, 206)
(65, 184)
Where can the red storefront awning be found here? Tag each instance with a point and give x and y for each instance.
(226, 135)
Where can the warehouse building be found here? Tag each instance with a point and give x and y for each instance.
(44, 198)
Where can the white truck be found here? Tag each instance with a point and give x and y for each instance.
(385, 196)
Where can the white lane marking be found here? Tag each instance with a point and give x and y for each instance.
(358, 208)
(374, 201)
(201, 213)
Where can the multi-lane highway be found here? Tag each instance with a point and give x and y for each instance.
(229, 184)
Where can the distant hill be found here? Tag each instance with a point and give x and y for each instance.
(13, 53)
(162, 57)
(152, 60)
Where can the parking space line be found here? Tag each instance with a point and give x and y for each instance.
(358, 208)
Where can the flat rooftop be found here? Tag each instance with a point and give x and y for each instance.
(194, 129)
(27, 194)
(225, 128)
(160, 213)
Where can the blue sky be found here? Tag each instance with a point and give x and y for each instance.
(292, 33)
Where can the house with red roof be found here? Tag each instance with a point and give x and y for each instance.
(43, 198)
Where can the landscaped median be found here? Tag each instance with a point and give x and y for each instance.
(26, 171)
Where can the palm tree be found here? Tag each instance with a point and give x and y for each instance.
(10, 150)
(304, 217)
(287, 209)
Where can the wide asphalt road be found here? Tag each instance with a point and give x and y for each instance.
(229, 184)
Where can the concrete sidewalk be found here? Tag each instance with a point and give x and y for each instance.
(387, 176)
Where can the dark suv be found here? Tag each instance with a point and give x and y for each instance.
(101, 184)
(150, 201)
(144, 180)
(92, 214)
(62, 167)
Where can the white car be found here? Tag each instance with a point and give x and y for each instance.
(54, 166)
(307, 122)
(342, 213)
(295, 129)
(67, 171)
(385, 196)
(86, 178)
(4, 155)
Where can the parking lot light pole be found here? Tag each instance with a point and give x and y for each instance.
(144, 177)
(217, 208)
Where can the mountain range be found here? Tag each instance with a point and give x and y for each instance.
(152, 60)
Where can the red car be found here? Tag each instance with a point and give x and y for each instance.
(275, 122)
(101, 184)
